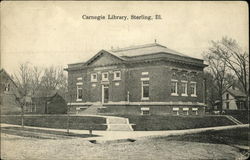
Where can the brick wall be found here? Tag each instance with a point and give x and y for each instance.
(160, 83)
(159, 75)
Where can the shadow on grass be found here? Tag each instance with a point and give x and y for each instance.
(42, 134)
(237, 136)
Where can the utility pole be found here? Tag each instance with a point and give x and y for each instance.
(22, 115)
(68, 109)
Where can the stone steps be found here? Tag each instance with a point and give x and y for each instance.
(118, 121)
(118, 124)
(119, 127)
(113, 123)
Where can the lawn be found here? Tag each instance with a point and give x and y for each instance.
(143, 123)
(236, 136)
(171, 122)
(41, 134)
(58, 121)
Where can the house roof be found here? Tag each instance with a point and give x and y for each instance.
(2, 71)
(236, 93)
(100, 53)
(144, 50)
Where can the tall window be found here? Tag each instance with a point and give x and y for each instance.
(174, 87)
(105, 76)
(79, 93)
(145, 90)
(117, 75)
(183, 88)
(227, 96)
(193, 89)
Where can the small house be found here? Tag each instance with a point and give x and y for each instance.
(47, 103)
(234, 99)
(9, 94)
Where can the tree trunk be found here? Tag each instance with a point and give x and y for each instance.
(22, 116)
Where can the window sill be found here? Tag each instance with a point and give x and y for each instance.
(78, 100)
(105, 80)
(93, 81)
(193, 95)
(116, 79)
(174, 94)
(184, 95)
(145, 98)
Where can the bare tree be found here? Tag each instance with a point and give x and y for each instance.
(219, 71)
(36, 79)
(23, 78)
(54, 79)
(236, 59)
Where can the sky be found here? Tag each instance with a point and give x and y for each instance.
(54, 32)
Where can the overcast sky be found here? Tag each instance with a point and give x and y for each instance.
(46, 33)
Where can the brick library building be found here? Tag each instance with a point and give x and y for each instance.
(146, 79)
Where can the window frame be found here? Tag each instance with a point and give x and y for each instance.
(115, 77)
(145, 111)
(105, 79)
(92, 79)
(186, 85)
(195, 109)
(7, 87)
(142, 88)
(195, 88)
(176, 109)
(79, 87)
(186, 110)
(176, 87)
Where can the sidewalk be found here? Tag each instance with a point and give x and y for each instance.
(124, 135)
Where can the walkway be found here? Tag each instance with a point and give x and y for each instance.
(123, 135)
(114, 123)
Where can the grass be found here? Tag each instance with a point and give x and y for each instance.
(39, 133)
(241, 115)
(58, 121)
(143, 123)
(239, 136)
(170, 122)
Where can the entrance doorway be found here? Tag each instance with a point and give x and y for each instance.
(105, 93)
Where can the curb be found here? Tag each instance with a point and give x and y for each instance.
(112, 141)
